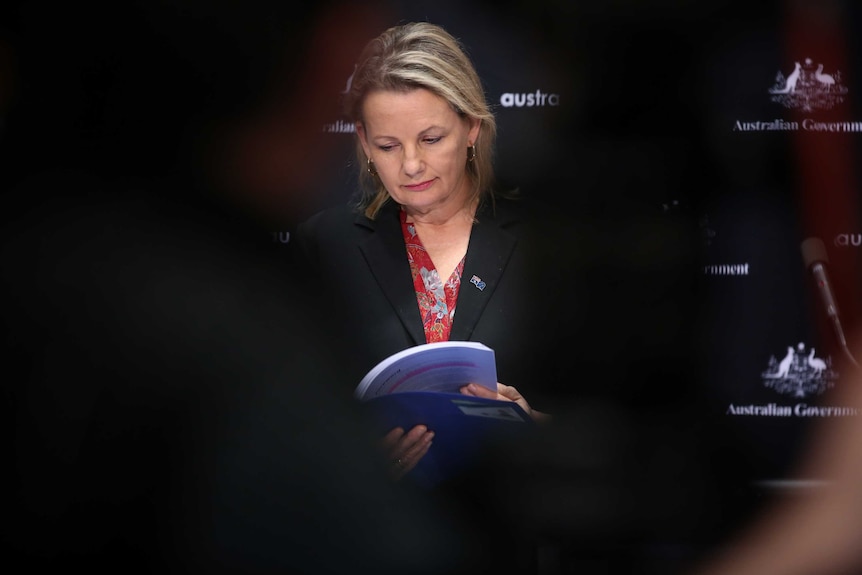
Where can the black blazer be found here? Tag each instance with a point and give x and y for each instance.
(516, 295)
(591, 312)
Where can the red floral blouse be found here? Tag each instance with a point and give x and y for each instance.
(436, 300)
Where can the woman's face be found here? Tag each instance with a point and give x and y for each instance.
(419, 148)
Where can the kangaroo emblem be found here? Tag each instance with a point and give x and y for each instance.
(790, 83)
(784, 366)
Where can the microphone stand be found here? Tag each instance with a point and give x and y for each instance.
(815, 258)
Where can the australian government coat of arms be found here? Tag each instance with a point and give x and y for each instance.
(808, 87)
(799, 373)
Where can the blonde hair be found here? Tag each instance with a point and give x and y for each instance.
(422, 55)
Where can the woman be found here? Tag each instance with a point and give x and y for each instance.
(432, 253)
(576, 303)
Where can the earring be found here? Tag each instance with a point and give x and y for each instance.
(471, 153)
(369, 166)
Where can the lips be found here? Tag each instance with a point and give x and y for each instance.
(422, 186)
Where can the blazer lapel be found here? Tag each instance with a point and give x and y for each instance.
(489, 251)
(386, 257)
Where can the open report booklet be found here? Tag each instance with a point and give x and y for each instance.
(420, 385)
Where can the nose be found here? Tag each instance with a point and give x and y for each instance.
(412, 162)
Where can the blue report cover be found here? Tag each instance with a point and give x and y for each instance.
(419, 386)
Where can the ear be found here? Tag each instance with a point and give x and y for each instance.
(363, 138)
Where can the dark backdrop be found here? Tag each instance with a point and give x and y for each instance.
(669, 108)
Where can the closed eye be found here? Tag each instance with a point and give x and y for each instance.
(429, 140)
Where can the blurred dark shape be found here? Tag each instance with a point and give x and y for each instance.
(170, 408)
(168, 403)
(811, 526)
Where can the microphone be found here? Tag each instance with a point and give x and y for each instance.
(815, 258)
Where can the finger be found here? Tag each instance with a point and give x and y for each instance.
(390, 440)
(398, 468)
(399, 448)
(419, 448)
(412, 445)
(477, 390)
(411, 438)
(414, 457)
(411, 457)
(508, 392)
(397, 443)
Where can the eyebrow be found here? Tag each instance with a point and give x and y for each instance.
(422, 133)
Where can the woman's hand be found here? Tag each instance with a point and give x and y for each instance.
(505, 393)
(404, 450)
